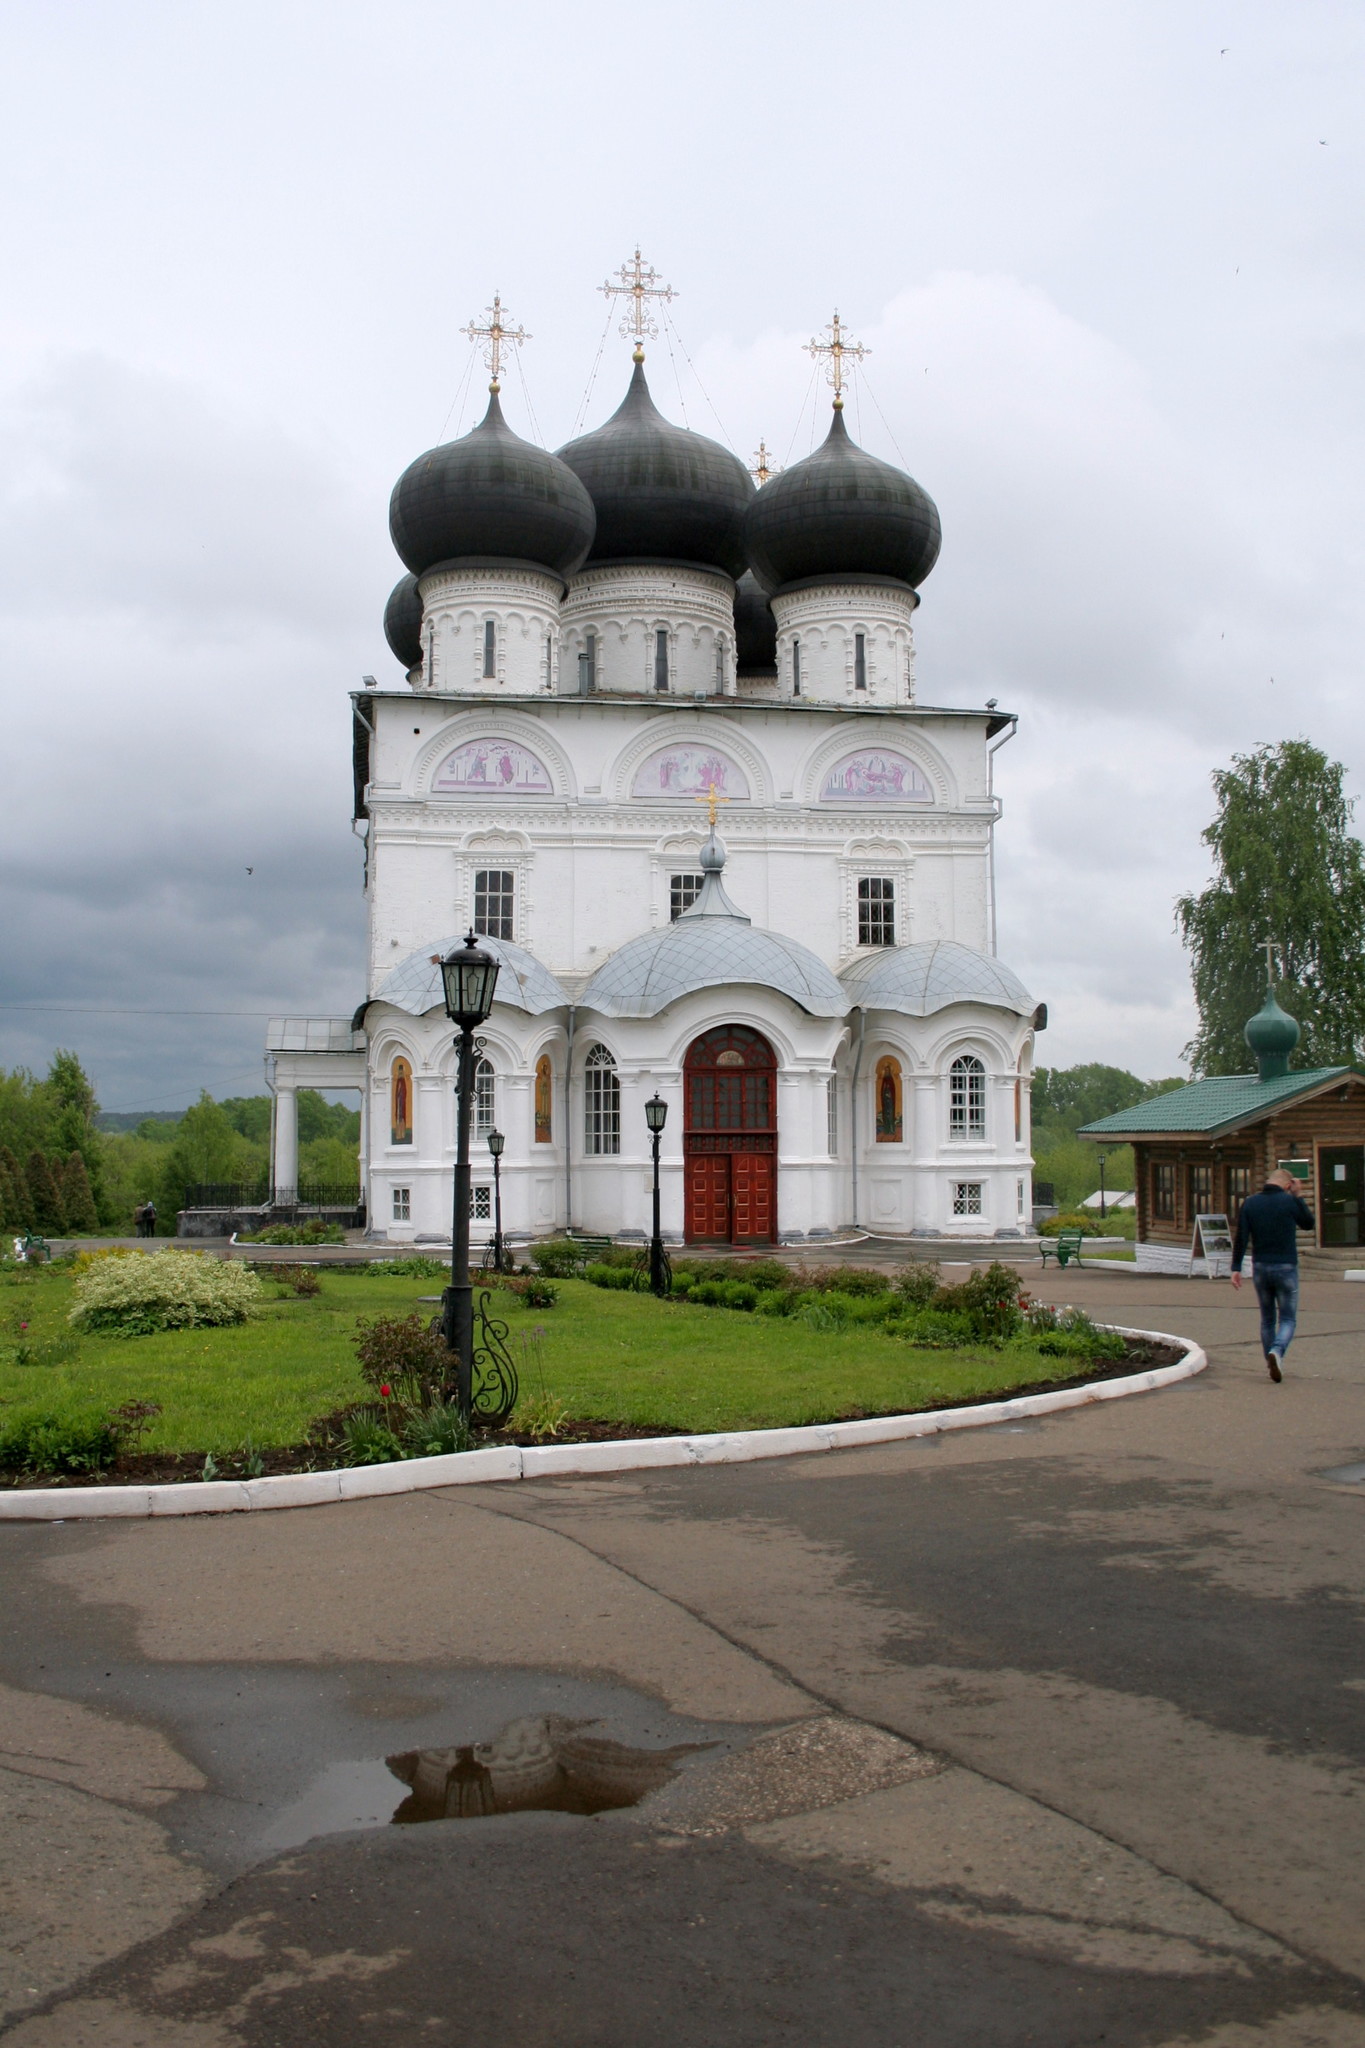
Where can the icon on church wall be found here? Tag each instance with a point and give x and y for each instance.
(400, 1103)
(544, 1100)
(492, 768)
(690, 772)
(890, 1121)
(875, 778)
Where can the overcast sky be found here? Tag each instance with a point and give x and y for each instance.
(1107, 259)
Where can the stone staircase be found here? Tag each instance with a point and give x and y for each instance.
(1332, 1261)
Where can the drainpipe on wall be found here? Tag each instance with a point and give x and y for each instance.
(568, 1120)
(853, 1107)
(991, 753)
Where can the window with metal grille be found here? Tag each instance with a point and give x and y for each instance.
(601, 1103)
(587, 666)
(490, 648)
(661, 658)
(485, 1106)
(481, 1204)
(796, 668)
(494, 902)
(967, 1098)
(832, 1116)
(967, 1197)
(683, 891)
(402, 1205)
(1201, 1190)
(860, 661)
(1163, 1192)
(1239, 1187)
(876, 911)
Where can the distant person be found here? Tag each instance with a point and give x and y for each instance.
(1268, 1224)
(146, 1220)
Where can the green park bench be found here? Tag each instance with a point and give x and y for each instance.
(592, 1246)
(1064, 1248)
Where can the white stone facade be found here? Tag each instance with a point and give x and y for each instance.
(635, 627)
(846, 642)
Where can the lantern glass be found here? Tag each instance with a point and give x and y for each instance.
(656, 1112)
(470, 976)
(496, 1141)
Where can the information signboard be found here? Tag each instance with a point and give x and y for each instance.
(1212, 1242)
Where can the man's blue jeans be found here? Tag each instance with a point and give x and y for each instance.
(1277, 1290)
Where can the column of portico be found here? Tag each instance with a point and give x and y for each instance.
(925, 1194)
(285, 1166)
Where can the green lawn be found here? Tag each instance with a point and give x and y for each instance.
(609, 1356)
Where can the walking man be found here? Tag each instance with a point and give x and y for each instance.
(1267, 1224)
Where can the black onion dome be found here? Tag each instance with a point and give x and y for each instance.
(490, 495)
(403, 621)
(755, 629)
(842, 512)
(661, 493)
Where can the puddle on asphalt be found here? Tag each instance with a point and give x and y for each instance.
(541, 1762)
(1345, 1475)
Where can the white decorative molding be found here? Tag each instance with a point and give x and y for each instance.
(487, 723)
(523, 604)
(686, 729)
(827, 618)
(904, 737)
(626, 605)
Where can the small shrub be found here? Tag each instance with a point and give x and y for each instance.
(990, 1300)
(405, 1361)
(366, 1439)
(81, 1262)
(436, 1430)
(49, 1444)
(768, 1273)
(300, 1280)
(936, 1329)
(918, 1284)
(624, 1277)
(819, 1315)
(845, 1280)
(541, 1415)
(559, 1258)
(170, 1290)
(534, 1291)
(418, 1267)
(689, 1271)
(296, 1233)
(1071, 1219)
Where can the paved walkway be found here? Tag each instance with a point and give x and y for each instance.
(1050, 1733)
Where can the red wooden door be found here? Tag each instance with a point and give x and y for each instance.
(708, 1198)
(730, 1137)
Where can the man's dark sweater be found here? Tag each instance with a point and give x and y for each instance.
(1267, 1223)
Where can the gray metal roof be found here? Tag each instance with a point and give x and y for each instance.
(312, 1034)
(415, 984)
(918, 980)
(649, 973)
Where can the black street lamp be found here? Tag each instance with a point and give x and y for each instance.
(656, 1116)
(496, 1141)
(1103, 1211)
(470, 977)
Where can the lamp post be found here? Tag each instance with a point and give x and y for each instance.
(470, 977)
(1103, 1211)
(496, 1141)
(656, 1116)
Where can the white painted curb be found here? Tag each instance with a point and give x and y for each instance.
(554, 1461)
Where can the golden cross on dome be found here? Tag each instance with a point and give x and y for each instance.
(837, 347)
(1270, 963)
(761, 469)
(497, 336)
(711, 800)
(638, 281)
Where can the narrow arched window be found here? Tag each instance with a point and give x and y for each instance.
(796, 667)
(661, 658)
(967, 1097)
(601, 1103)
(490, 648)
(485, 1099)
(860, 661)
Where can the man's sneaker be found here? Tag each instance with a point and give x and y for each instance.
(1272, 1361)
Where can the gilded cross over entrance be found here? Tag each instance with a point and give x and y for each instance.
(639, 282)
(496, 336)
(837, 347)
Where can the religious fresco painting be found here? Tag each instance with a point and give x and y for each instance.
(492, 768)
(875, 777)
(400, 1103)
(544, 1100)
(890, 1118)
(686, 771)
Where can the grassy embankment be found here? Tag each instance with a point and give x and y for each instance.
(609, 1356)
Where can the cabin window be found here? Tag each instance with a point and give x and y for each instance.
(1239, 1187)
(1163, 1192)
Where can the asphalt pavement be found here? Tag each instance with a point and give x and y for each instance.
(1050, 1732)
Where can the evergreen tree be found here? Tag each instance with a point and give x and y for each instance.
(78, 1203)
(74, 1128)
(1288, 869)
(14, 1189)
(47, 1202)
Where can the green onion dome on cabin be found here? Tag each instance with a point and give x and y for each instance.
(491, 497)
(1272, 1035)
(661, 493)
(842, 513)
(403, 622)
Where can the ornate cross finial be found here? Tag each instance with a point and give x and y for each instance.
(496, 335)
(837, 347)
(761, 468)
(711, 800)
(1270, 963)
(639, 281)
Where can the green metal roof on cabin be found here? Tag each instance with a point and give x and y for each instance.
(1220, 1103)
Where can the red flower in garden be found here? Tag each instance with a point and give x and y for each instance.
(386, 1391)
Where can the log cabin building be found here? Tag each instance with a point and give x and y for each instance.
(1201, 1150)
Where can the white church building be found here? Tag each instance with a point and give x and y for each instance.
(598, 652)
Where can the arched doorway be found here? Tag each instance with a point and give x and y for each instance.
(730, 1137)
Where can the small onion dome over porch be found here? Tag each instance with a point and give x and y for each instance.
(712, 945)
(920, 980)
(415, 984)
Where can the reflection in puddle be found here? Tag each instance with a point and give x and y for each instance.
(539, 1761)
